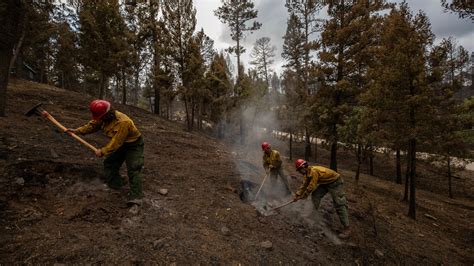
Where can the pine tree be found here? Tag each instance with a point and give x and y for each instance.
(65, 57)
(464, 8)
(263, 53)
(345, 41)
(447, 62)
(10, 12)
(400, 99)
(275, 83)
(179, 18)
(298, 48)
(139, 18)
(293, 46)
(219, 84)
(304, 24)
(236, 14)
(102, 40)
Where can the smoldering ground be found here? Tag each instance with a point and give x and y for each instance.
(260, 121)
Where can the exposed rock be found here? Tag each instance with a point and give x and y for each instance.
(225, 231)
(430, 217)
(266, 245)
(163, 191)
(379, 253)
(19, 181)
(135, 209)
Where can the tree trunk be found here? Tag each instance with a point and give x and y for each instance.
(412, 207)
(307, 146)
(156, 109)
(151, 105)
(449, 178)
(371, 162)
(333, 163)
(315, 149)
(188, 115)
(136, 88)
(399, 167)
(11, 11)
(238, 67)
(103, 85)
(193, 108)
(359, 161)
(199, 119)
(407, 178)
(18, 47)
(291, 146)
(242, 127)
(124, 88)
(5, 56)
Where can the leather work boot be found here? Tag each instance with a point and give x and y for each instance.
(133, 202)
(345, 234)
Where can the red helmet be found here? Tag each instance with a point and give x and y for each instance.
(300, 163)
(99, 108)
(265, 146)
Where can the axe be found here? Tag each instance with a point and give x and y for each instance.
(37, 110)
(283, 205)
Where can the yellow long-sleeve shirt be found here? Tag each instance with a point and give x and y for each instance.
(315, 176)
(272, 159)
(120, 130)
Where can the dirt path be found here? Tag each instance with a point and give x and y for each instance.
(55, 209)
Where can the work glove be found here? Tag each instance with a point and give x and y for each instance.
(297, 197)
(99, 153)
(70, 130)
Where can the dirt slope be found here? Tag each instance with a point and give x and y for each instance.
(54, 207)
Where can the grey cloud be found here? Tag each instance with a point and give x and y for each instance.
(273, 16)
(442, 24)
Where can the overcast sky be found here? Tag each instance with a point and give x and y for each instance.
(273, 15)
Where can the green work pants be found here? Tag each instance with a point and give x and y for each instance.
(336, 190)
(132, 155)
(275, 172)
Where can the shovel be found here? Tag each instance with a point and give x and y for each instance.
(37, 110)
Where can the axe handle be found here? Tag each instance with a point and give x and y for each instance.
(46, 115)
(260, 188)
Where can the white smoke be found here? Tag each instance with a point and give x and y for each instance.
(261, 120)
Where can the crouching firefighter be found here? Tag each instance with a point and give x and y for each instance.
(125, 145)
(272, 163)
(318, 181)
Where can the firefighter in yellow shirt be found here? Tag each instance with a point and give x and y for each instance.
(272, 163)
(318, 181)
(125, 145)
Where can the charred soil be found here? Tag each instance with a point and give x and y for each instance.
(55, 208)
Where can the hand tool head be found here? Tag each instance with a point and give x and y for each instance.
(35, 110)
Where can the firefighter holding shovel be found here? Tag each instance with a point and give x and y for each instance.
(125, 145)
(272, 163)
(318, 181)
